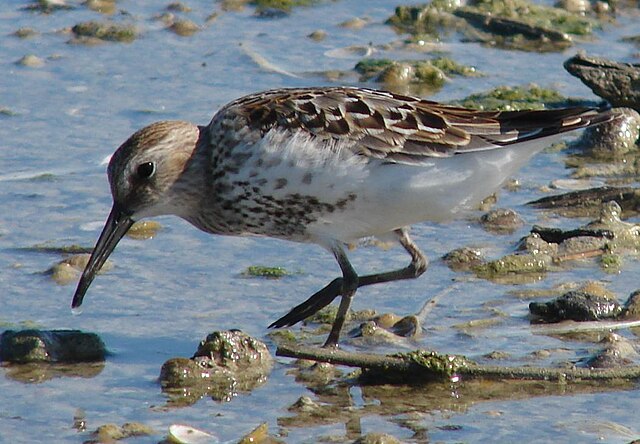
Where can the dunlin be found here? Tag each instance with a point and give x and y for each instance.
(327, 166)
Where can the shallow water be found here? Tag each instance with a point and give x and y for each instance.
(166, 294)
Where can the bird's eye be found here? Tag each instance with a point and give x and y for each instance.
(146, 170)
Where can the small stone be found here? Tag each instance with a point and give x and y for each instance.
(67, 270)
(501, 221)
(575, 6)
(25, 33)
(318, 35)
(354, 23)
(101, 6)
(31, 61)
(106, 31)
(463, 259)
(178, 7)
(184, 28)
(601, 7)
(305, 404)
(144, 229)
(632, 307)
(617, 351)
(258, 435)
(377, 438)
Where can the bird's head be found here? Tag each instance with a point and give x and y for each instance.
(144, 173)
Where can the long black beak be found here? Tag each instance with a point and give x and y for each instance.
(118, 223)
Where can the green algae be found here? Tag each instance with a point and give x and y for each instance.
(106, 31)
(514, 263)
(436, 364)
(515, 98)
(266, 272)
(427, 20)
(548, 17)
(417, 75)
(282, 5)
(514, 24)
(451, 67)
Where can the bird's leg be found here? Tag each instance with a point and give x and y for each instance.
(324, 297)
(417, 266)
(349, 287)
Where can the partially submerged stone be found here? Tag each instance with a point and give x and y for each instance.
(631, 310)
(31, 61)
(106, 31)
(588, 203)
(513, 24)
(48, 6)
(178, 7)
(430, 19)
(577, 306)
(377, 438)
(501, 221)
(318, 35)
(113, 432)
(25, 33)
(226, 362)
(184, 28)
(144, 229)
(355, 23)
(463, 259)
(389, 327)
(514, 264)
(617, 351)
(282, 5)
(520, 24)
(317, 374)
(546, 248)
(259, 435)
(411, 76)
(625, 234)
(64, 346)
(101, 6)
(68, 270)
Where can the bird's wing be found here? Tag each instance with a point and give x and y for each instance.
(396, 128)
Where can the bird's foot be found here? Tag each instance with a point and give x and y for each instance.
(311, 306)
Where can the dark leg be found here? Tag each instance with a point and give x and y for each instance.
(349, 287)
(325, 296)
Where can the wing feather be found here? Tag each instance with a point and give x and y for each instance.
(398, 128)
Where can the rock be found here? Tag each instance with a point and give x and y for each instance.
(616, 137)
(106, 31)
(67, 346)
(576, 306)
(226, 362)
(501, 221)
(463, 259)
(31, 61)
(617, 351)
(617, 83)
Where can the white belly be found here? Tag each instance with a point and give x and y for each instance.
(381, 196)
